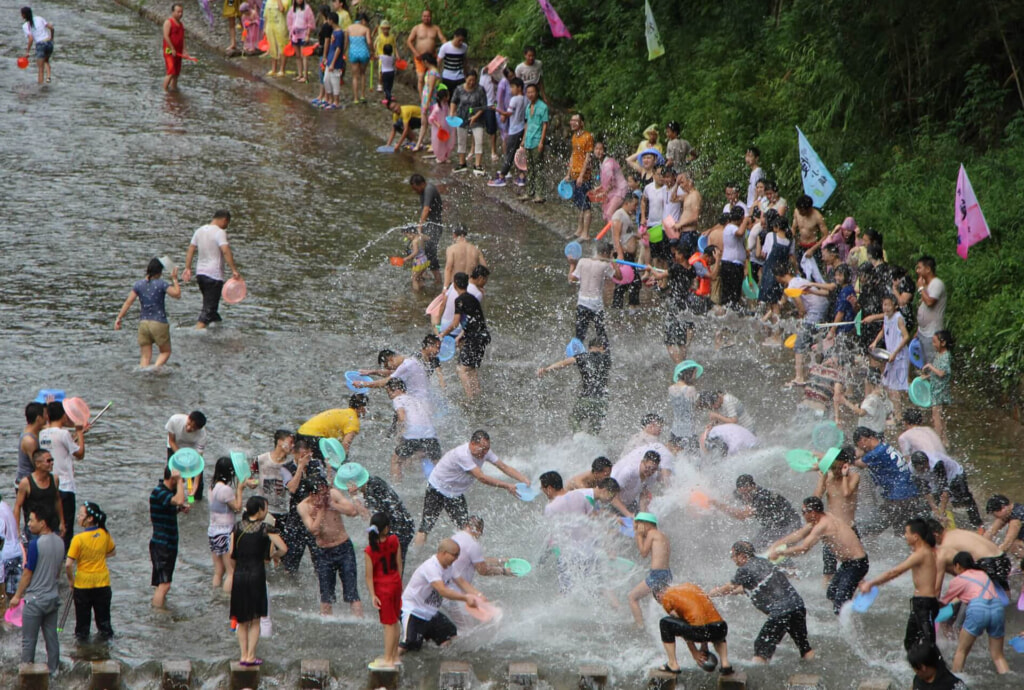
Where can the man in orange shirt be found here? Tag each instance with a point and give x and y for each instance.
(693, 617)
(578, 173)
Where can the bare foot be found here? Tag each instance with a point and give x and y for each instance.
(808, 656)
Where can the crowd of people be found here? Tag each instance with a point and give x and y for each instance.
(830, 295)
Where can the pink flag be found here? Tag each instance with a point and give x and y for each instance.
(971, 227)
(558, 29)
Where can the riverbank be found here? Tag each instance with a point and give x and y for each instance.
(556, 215)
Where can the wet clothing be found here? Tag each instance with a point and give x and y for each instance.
(39, 498)
(771, 593)
(944, 680)
(774, 513)
(843, 585)
(340, 561)
(921, 622)
(249, 587)
(891, 472)
(381, 498)
(387, 578)
(475, 336)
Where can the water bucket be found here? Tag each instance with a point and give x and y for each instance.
(333, 452)
(700, 499)
(750, 288)
(790, 342)
(435, 304)
(289, 50)
(683, 366)
(308, 50)
(793, 292)
(188, 462)
(233, 291)
(862, 602)
(575, 347)
(401, 65)
(353, 376)
(916, 353)
(484, 611)
(626, 275)
(13, 616)
(49, 395)
(573, 251)
(447, 348)
(801, 460)
(453, 121)
(825, 464)
(384, 148)
(627, 527)
(428, 467)
(396, 260)
(241, 465)
(264, 45)
(826, 435)
(520, 159)
(880, 353)
(77, 411)
(518, 566)
(525, 492)
(350, 473)
(1018, 644)
(920, 392)
(443, 135)
(944, 614)
(565, 189)
(702, 243)
(656, 233)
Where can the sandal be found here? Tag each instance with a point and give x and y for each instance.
(301, 80)
(727, 670)
(668, 669)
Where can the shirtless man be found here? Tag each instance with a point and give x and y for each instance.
(650, 541)
(808, 226)
(692, 201)
(461, 256)
(600, 470)
(988, 556)
(321, 513)
(924, 605)
(424, 38)
(840, 538)
(839, 482)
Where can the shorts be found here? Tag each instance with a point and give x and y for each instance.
(434, 502)
(471, 354)
(390, 604)
(163, 559)
(44, 50)
(438, 630)
(579, 195)
(843, 586)
(332, 82)
(462, 138)
(672, 627)
(172, 63)
(998, 569)
(340, 560)
(414, 123)
(658, 578)
(677, 331)
(408, 447)
(12, 575)
(490, 119)
(921, 622)
(154, 333)
(661, 250)
(219, 544)
(985, 616)
(804, 337)
(421, 67)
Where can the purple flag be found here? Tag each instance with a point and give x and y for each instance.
(558, 29)
(971, 227)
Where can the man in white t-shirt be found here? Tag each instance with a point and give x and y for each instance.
(931, 312)
(65, 450)
(453, 476)
(423, 595)
(452, 59)
(530, 71)
(419, 439)
(414, 372)
(812, 305)
(753, 161)
(592, 274)
(724, 408)
(728, 439)
(636, 472)
(187, 431)
(270, 471)
(211, 243)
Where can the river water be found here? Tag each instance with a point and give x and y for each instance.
(104, 171)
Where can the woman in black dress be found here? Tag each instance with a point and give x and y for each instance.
(253, 543)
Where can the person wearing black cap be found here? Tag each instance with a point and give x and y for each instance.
(771, 593)
(840, 538)
(775, 513)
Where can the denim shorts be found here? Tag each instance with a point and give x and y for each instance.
(340, 560)
(44, 50)
(12, 574)
(985, 616)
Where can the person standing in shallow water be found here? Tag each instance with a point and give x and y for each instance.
(174, 46)
(211, 244)
(151, 292)
(40, 33)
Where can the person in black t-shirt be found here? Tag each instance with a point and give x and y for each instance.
(771, 593)
(592, 404)
(679, 282)
(773, 512)
(429, 222)
(930, 671)
(475, 336)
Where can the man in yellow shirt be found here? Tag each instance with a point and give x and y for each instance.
(339, 423)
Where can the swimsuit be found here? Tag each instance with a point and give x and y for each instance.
(662, 577)
(358, 51)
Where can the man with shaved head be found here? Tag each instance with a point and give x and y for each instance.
(422, 598)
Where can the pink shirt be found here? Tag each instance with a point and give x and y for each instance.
(963, 589)
(300, 22)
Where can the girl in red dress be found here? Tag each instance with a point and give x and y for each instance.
(384, 580)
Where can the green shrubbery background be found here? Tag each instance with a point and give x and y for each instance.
(893, 96)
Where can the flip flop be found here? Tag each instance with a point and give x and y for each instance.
(668, 669)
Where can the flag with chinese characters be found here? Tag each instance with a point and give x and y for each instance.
(558, 29)
(971, 227)
(654, 47)
(818, 181)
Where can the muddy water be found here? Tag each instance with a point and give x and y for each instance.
(104, 171)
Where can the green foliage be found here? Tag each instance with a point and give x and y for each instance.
(893, 97)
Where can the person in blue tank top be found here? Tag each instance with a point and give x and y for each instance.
(151, 292)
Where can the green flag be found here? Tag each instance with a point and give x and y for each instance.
(654, 47)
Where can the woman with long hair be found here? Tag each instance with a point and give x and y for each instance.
(225, 501)
(151, 292)
(253, 542)
(430, 81)
(39, 32)
(383, 570)
(87, 572)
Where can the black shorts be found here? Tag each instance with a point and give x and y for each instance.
(490, 121)
(843, 585)
(410, 446)
(163, 559)
(471, 354)
(661, 250)
(438, 630)
(414, 123)
(677, 331)
(672, 627)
